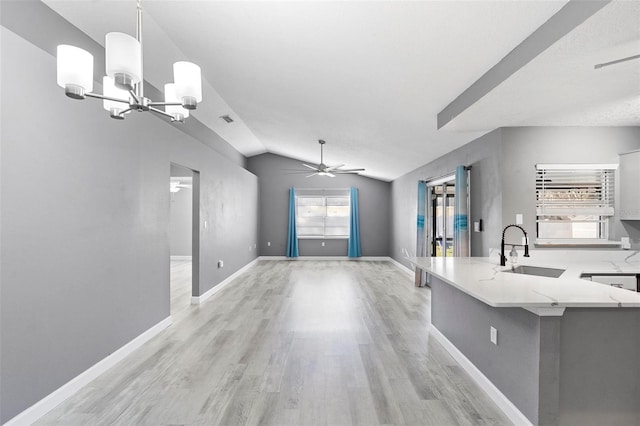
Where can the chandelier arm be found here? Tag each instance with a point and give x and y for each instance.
(124, 111)
(137, 99)
(161, 112)
(164, 104)
(108, 98)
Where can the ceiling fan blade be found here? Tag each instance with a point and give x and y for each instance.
(329, 174)
(348, 170)
(311, 167)
(312, 174)
(334, 167)
(617, 61)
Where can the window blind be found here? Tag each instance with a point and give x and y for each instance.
(575, 189)
(322, 213)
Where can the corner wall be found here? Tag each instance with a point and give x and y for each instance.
(484, 155)
(85, 216)
(503, 179)
(275, 176)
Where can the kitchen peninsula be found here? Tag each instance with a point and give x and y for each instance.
(550, 351)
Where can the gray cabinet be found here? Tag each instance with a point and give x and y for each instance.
(630, 186)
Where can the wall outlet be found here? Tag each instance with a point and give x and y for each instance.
(220, 264)
(255, 245)
(268, 243)
(624, 243)
(494, 336)
(519, 219)
(323, 244)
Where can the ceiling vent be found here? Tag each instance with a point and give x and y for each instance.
(227, 118)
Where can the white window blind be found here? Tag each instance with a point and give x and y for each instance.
(322, 213)
(575, 189)
(574, 201)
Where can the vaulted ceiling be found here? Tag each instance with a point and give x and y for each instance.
(370, 78)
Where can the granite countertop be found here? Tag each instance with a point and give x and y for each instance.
(487, 281)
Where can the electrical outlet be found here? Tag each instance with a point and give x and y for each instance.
(494, 336)
(255, 245)
(519, 219)
(268, 243)
(323, 244)
(220, 264)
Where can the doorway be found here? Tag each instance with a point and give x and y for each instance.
(442, 210)
(183, 236)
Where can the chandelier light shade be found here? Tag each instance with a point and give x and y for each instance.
(123, 60)
(177, 111)
(123, 86)
(188, 83)
(75, 70)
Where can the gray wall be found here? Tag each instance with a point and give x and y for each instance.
(503, 179)
(275, 181)
(577, 369)
(180, 216)
(85, 217)
(513, 366)
(524, 147)
(484, 155)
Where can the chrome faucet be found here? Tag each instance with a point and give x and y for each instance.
(503, 258)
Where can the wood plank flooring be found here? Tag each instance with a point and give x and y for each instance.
(180, 274)
(292, 343)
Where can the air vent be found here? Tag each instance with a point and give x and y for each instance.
(227, 118)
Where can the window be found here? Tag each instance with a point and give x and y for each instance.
(574, 202)
(322, 213)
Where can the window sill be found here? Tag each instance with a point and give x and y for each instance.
(542, 243)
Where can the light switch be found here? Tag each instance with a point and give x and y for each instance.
(268, 243)
(323, 244)
(519, 219)
(494, 336)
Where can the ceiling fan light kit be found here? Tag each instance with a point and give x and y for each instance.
(123, 89)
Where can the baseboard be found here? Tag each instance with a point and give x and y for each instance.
(507, 407)
(180, 257)
(197, 300)
(368, 258)
(49, 402)
(408, 271)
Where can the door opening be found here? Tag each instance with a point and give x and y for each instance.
(183, 237)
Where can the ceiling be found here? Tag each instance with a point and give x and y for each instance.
(371, 77)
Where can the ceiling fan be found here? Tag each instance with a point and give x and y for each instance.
(324, 170)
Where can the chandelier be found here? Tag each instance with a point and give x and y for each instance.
(122, 87)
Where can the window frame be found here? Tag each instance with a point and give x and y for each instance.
(311, 193)
(602, 206)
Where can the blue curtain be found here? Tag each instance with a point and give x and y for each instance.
(422, 195)
(460, 215)
(292, 237)
(354, 228)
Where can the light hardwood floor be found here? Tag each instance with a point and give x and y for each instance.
(292, 343)
(180, 287)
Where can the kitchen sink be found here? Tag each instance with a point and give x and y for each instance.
(536, 270)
